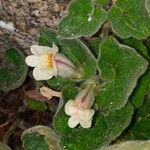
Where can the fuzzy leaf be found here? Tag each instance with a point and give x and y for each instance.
(47, 37)
(94, 46)
(40, 137)
(80, 56)
(59, 83)
(75, 50)
(142, 88)
(140, 127)
(84, 19)
(138, 45)
(130, 18)
(34, 104)
(13, 71)
(120, 67)
(103, 131)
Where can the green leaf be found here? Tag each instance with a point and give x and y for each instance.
(120, 67)
(147, 43)
(84, 19)
(13, 71)
(58, 83)
(140, 127)
(81, 56)
(129, 145)
(34, 104)
(142, 88)
(47, 37)
(94, 46)
(75, 50)
(130, 18)
(103, 131)
(138, 45)
(40, 137)
(34, 141)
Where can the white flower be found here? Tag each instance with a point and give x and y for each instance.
(48, 63)
(49, 93)
(80, 109)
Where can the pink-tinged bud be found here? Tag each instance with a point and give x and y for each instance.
(65, 68)
(49, 93)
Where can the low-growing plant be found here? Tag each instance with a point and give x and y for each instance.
(97, 63)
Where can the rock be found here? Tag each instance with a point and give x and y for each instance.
(27, 17)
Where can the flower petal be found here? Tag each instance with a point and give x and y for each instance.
(39, 50)
(32, 60)
(87, 115)
(65, 67)
(70, 108)
(40, 74)
(86, 124)
(72, 122)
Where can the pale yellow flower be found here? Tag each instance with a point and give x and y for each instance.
(48, 63)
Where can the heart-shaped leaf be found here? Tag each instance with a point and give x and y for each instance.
(40, 137)
(13, 71)
(103, 131)
(85, 17)
(75, 50)
(120, 67)
(130, 18)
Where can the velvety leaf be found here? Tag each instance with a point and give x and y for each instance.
(142, 88)
(34, 141)
(75, 50)
(137, 45)
(40, 137)
(34, 104)
(58, 83)
(94, 46)
(104, 128)
(140, 127)
(129, 145)
(130, 18)
(120, 67)
(81, 56)
(13, 71)
(84, 19)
